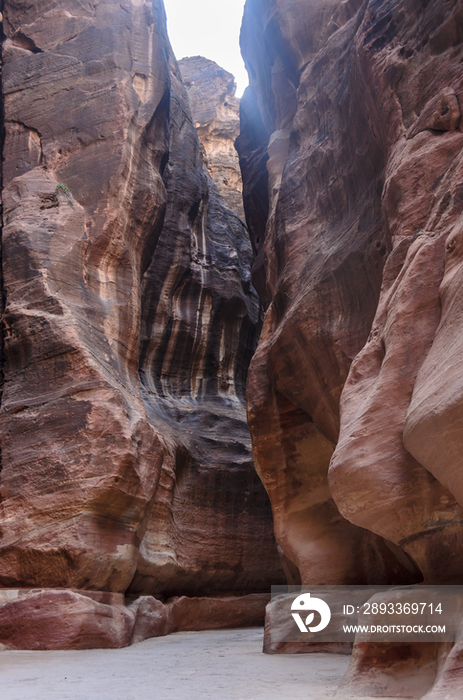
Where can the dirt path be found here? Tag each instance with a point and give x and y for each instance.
(224, 665)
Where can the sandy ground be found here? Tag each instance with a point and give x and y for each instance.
(223, 665)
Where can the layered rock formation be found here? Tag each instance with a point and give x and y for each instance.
(350, 149)
(128, 322)
(199, 330)
(215, 109)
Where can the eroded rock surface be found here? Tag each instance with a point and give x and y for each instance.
(353, 122)
(322, 255)
(64, 619)
(215, 110)
(209, 528)
(129, 319)
(80, 460)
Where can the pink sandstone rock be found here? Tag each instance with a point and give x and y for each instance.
(354, 394)
(190, 614)
(129, 320)
(215, 111)
(154, 618)
(64, 619)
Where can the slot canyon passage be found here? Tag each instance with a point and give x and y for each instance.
(225, 369)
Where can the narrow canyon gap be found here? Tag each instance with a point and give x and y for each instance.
(130, 504)
(129, 322)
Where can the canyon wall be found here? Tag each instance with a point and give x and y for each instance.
(129, 319)
(215, 111)
(351, 153)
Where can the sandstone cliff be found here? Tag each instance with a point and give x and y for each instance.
(351, 153)
(128, 322)
(215, 110)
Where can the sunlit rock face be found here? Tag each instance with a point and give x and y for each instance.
(215, 110)
(129, 319)
(352, 127)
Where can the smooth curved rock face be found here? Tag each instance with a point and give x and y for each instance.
(129, 320)
(354, 112)
(215, 111)
(385, 408)
(323, 253)
(392, 670)
(83, 206)
(432, 428)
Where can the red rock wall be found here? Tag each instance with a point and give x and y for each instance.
(354, 396)
(80, 460)
(215, 110)
(129, 320)
(199, 330)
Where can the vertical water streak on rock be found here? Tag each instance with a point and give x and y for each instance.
(208, 531)
(111, 436)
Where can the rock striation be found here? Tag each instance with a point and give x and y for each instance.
(215, 109)
(210, 528)
(351, 152)
(129, 319)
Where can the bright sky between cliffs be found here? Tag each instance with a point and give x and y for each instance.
(209, 28)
